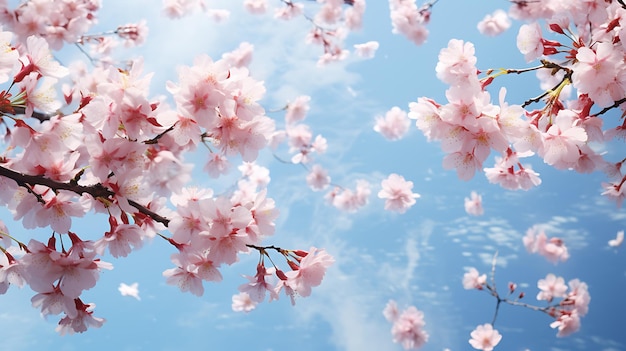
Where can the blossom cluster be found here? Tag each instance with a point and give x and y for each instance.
(408, 325)
(306, 270)
(584, 55)
(119, 153)
(566, 312)
(552, 249)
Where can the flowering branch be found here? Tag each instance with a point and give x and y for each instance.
(96, 190)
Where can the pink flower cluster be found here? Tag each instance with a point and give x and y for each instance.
(574, 304)
(307, 269)
(59, 22)
(58, 277)
(408, 326)
(562, 131)
(552, 249)
(332, 22)
(410, 20)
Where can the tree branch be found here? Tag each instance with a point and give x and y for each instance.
(96, 190)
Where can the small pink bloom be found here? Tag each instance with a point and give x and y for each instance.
(484, 337)
(243, 303)
(494, 24)
(567, 324)
(397, 193)
(408, 329)
(551, 287)
(394, 125)
(474, 280)
(474, 204)
(318, 178)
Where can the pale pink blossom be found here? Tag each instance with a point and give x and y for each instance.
(562, 141)
(529, 41)
(408, 20)
(297, 109)
(394, 125)
(318, 178)
(134, 34)
(243, 303)
(40, 59)
(552, 249)
(615, 191)
(579, 295)
(366, 50)
(397, 193)
(240, 57)
(289, 11)
(8, 56)
(484, 337)
(494, 24)
(474, 204)
(311, 271)
(257, 286)
(84, 319)
(474, 280)
(567, 324)
(408, 326)
(551, 287)
(391, 311)
(256, 7)
(457, 62)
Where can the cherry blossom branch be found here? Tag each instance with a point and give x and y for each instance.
(96, 190)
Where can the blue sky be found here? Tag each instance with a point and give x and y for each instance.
(417, 258)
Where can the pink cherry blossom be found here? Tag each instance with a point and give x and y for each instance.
(456, 62)
(256, 7)
(394, 125)
(84, 319)
(397, 193)
(551, 287)
(409, 21)
(8, 56)
(243, 303)
(474, 280)
(494, 24)
(553, 250)
(529, 41)
(474, 204)
(391, 311)
(185, 276)
(484, 337)
(311, 271)
(566, 324)
(297, 109)
(289, 10)
(349, 200)
(408, 326)
(579, 295)
(318, 178)
(240, 57)
(257, 286)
